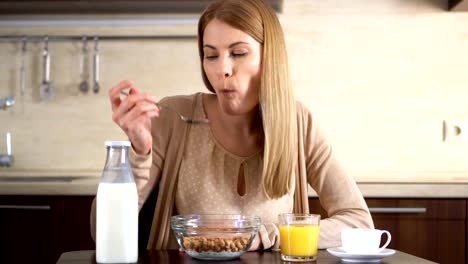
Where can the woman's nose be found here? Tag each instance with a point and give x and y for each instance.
(225, 68)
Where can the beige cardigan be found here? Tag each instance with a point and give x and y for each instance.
(316, 165)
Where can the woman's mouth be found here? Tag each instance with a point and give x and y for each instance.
(227, 91)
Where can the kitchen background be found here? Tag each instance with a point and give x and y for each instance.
(380, 76)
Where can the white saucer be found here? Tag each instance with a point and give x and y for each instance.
(351, 257)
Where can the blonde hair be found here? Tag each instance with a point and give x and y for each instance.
(277, 103)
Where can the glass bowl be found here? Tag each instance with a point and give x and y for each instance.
(215, 237)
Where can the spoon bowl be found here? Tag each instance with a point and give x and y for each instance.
(7, 102)
(84, 86)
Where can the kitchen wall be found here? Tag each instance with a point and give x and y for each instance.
(379, 75)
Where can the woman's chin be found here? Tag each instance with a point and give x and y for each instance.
(231, 111)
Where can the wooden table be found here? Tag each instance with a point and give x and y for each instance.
(265, 257)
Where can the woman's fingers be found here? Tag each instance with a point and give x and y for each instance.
(141, 102)
(140, 109)
(114, 92)
(134, 117)
(133, 114)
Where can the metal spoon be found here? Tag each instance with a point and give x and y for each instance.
(23, 69)
(7, 102)
(45, 90)
(96, 66)
(84, 86)
(182, 117)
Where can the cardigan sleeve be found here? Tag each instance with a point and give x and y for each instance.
(269, 236)
(141, 168)
(147, 169)
(337, 191)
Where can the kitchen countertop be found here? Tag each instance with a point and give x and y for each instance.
(410, 190)
(49, 185)
(87, 186)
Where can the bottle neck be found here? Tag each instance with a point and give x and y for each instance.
(117, 157)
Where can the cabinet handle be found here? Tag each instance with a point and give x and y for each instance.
(26, 207)
(398, 210)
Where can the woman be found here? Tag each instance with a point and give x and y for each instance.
(260, 149)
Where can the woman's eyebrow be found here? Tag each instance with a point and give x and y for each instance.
(237, 43)
(208, 46)
(230, 46)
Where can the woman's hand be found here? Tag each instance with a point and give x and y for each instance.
(133, 114)
(256, 243)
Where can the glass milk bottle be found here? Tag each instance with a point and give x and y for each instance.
(117, 208)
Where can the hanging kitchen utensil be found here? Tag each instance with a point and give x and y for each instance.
(45, 91)
(23, 69)
(6, 102)
(96, 65)
(84, 64)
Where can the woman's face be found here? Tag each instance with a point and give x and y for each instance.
(232, 62)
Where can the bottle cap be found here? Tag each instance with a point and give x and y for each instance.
(121, 143)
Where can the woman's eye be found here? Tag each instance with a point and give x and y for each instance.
(239, 54)
(210, 57)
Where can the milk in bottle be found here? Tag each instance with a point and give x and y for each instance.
(117, 208)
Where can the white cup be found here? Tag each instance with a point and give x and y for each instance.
(363, 241)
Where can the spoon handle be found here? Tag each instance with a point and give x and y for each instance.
(96, 67)
(46, 65)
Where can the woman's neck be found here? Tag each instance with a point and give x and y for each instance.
(241, 134)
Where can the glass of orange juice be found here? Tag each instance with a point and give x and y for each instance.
(299, 236)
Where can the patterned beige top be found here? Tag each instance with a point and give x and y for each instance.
(210, 173)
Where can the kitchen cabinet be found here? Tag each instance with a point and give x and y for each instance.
(434, 229)
(44, 227)
(75, 233)
(28, 225)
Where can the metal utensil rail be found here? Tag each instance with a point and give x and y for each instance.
(40, 38)
(46, 91)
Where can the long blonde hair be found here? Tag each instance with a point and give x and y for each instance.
(277, 103)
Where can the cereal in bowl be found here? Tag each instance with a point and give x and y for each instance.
(216, 244)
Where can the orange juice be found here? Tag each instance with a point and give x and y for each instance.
(299, 240)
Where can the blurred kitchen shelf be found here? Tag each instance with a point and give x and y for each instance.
(111, 6)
